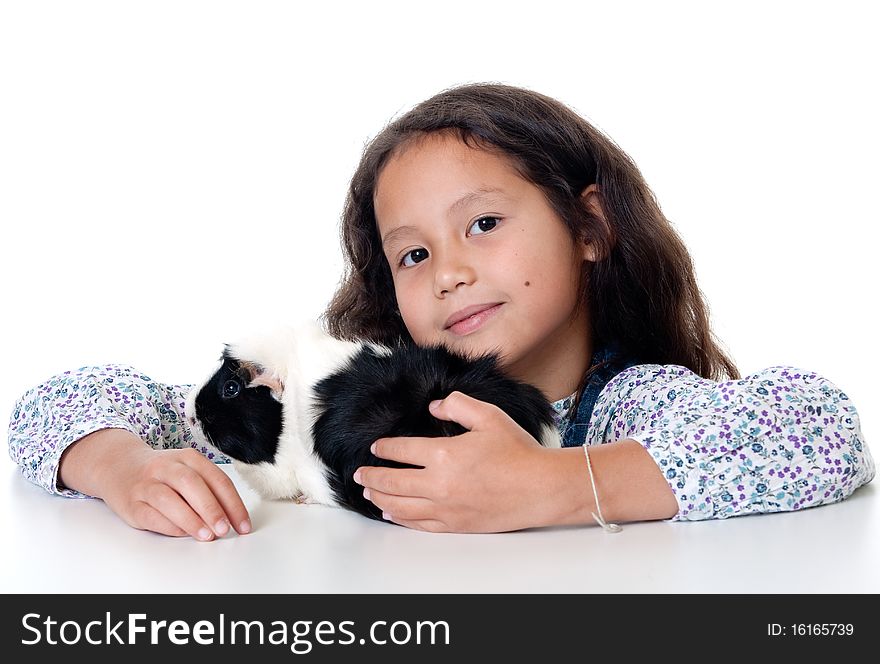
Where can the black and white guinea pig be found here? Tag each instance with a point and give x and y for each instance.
(297, 409)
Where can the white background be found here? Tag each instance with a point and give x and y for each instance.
(172, 173)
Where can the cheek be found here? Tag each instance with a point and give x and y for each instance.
(413, 310)
(547, 287)
(419, 327)
(404, 299)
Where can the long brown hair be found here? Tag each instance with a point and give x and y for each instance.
(642, 293)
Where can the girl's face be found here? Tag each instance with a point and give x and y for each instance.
(481, 262)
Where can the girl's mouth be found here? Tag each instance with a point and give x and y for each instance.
(471, 319)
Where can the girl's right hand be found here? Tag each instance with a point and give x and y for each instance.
(173, 492)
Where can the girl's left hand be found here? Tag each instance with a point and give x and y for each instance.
(488, 479)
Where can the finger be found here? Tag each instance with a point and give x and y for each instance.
(147, 517)
(412, 450)
(396, 481)
(193, 489)
(177, 510)
(225, 492)
(401, 507)
(468, 412)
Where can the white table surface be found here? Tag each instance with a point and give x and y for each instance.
(53, 544)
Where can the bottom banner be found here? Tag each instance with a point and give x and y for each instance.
(431, 627)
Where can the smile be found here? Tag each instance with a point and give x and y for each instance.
(471, 319)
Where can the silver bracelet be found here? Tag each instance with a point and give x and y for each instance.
(607, 527)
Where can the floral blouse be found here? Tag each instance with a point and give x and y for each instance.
(778, 440)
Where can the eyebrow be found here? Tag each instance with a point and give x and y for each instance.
(472, 197)
(394, 234)
(469, 198)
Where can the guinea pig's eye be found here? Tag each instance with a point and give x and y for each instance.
(231, 389)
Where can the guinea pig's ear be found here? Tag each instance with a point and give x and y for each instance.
(259, 375)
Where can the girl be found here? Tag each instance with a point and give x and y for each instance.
(492, 218)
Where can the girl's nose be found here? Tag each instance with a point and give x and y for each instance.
(449, 275)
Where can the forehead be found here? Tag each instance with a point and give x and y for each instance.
(436, 170)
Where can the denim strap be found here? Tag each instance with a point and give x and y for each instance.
(576, 431)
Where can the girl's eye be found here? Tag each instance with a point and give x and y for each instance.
(483, 225)
(413, 257)
(231, 389)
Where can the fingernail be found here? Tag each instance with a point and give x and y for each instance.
(221, 527)
(244, 527)
(204, 534)
(373, 448)
(367, 494)
(357, 476)
(434, 404)
(386, 516)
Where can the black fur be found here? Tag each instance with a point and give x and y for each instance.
(382, 396)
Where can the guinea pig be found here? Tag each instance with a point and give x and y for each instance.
(297, 409)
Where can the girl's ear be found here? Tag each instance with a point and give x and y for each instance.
(591, 199)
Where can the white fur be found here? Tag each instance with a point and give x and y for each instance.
(550, 436)
(298, 357)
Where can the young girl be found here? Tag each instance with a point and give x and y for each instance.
(492, 218)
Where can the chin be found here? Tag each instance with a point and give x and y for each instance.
(480, 343)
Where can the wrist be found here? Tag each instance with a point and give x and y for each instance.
(629, 484)
(562, 490)
(94, 461)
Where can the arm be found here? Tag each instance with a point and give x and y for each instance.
(496, 478)
(84, 433)
(774, 441)
(50, 417)
(780, 439)
(629, 484)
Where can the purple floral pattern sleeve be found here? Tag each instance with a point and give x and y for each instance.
(51, 416)
(778, 440)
